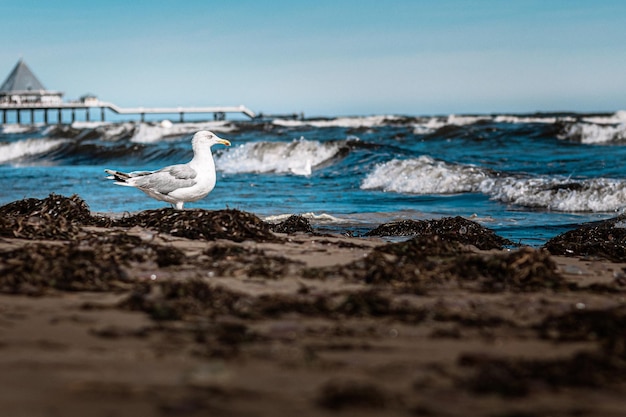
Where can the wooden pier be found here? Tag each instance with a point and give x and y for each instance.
(218, 112)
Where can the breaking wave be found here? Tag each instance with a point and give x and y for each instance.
(16, 151)
(149, 133)
(346, 122)
(560, 194)
(424, 175)
(432, 124)
(590, 134)
(298, 157)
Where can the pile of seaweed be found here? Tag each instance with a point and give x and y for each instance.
(605, 239)
(37, 268)
(427, 262)
(456, 229)
(293, 224)
(54, 217)
(61, 218)
(97, 262)
(228, 224)
(184, 299)
(237, 261)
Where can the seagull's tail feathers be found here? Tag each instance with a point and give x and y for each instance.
(118, 176)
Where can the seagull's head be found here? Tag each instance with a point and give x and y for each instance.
(205, 139)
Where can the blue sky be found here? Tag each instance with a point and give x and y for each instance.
(336, 57)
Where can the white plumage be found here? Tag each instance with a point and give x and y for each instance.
(182, 183)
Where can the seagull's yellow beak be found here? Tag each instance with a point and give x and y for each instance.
(223, 141)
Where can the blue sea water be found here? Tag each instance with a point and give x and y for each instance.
(528, 177)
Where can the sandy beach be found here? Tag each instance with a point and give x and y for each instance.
(200, 313)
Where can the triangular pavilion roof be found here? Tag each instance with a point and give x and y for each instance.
(21, 79)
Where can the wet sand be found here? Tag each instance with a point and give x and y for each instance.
(211, 313)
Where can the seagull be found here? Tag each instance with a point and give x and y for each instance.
(178, 184)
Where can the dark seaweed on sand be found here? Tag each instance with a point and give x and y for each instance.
(348, 394)
(605, 326)
(524, 270)
(516, 377)
(73, 267)
(52, 206)
(92, 262)
(293, 224)
(231, 224)
(232, 260)
(455, 229)
(61, 218)
(54, 217)
(175, 300)
(428, 261)
(605, 239)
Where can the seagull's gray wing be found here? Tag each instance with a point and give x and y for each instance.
(168, 179)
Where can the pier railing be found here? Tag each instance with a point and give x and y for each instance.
(218, 112)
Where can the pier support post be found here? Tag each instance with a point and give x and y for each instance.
(87, 116)
(32, 116)
(102, 114)
(143, 117)
(45, 116)
(60, 116)
(18, 117)
(182, 117)
(4, 116)
(73, 115)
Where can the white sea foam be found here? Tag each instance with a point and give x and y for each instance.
(616, 118)
(431, 124)
(297, 157)
(9, 129)
(347, 122)
(434, 123)
(597, 129)
(424, 175)
(322, 218)
(559, 194)
(531, 119)
(90, 125)
(594, 133)
(14, 151)
(115, 131)
(150, 133)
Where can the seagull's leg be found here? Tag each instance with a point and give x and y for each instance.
(179, 205)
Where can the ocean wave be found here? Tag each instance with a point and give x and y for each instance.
(345, 122)
(432, 124)
(615, 118)
(10, 129)
(532, 119)
(424, 175)
(559, 194)
(154, 132)
(298, 157)
(15, 151)
(591, 133)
